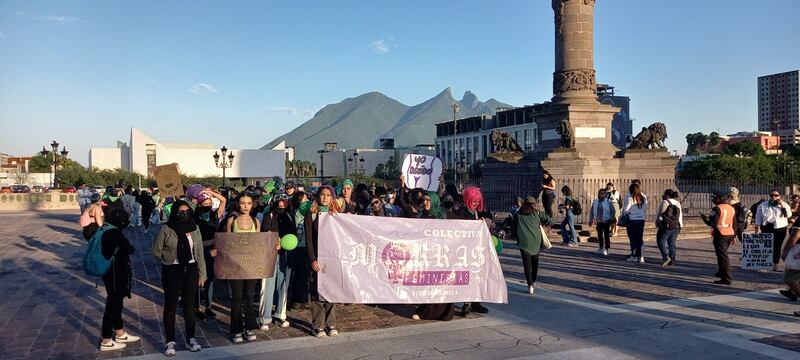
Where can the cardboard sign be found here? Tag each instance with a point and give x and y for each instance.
(422, 171)
(757, 251)
(168, 178)
(245, 255)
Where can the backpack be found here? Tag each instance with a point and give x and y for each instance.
(576, 207)
(94, 263)
(670, 218)
(744, 218)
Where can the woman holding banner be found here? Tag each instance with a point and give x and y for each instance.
(323, 313)
(282, 220)
(179, 247)
(473, 209)
(527, 229)
(242, 289)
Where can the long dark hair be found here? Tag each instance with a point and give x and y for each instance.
(636, 194)
(236, 203)
(566, 191)
(527, 208)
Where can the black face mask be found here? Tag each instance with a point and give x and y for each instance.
(447, 204)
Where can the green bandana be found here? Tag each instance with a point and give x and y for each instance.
(324, 208)
(112, 198)
(304, 206)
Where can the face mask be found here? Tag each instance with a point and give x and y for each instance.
(447, 204)
(113, 198)
(773, 203)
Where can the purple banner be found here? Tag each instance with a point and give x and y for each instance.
(384, 260)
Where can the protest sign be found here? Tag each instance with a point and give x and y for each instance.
(385, 260)
(757, 251)
(168, 178)
(422, 171)
(245, 255)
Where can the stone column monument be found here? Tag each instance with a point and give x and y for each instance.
(574, 129)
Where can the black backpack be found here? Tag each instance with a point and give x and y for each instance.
(744, 218)
(576, 207)
(669, 219)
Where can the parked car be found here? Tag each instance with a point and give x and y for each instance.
(37, 188)
(20, 189)
(6, 190)
(70, 189)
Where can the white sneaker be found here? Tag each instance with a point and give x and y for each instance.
(666, 262)
(282, 323)
(333, 332)
(113, 345)
(170, 350)
(251, 335)
(641, 260)
(238, 338)
(193, 345)
(127, 338)
(320, 333)
(599, 251)
(605, 252)
(264, 327)
(415, 317)
(531, 289)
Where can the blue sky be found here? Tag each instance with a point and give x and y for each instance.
(242, 73)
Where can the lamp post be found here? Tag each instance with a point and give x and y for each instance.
(356, 162)
(223, 165)
(456, 107)
(55, 160)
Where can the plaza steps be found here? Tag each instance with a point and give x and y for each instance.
(692, 229)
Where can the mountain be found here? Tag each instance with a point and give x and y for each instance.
(364, 120)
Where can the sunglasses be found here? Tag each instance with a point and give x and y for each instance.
(775, 195)
(282, 197)
(376, 202)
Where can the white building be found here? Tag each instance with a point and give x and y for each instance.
(142, 154)
(344, 162)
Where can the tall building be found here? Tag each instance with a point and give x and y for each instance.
(778, 97)
(622, 124)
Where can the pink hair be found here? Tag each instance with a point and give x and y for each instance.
(470, 195)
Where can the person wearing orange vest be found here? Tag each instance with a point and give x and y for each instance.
(724, 235)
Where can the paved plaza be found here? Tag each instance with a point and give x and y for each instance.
(586, 306)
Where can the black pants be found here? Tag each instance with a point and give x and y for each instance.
(323, 313)
(298, 284)
(242, 296)
(112, 315)
(721, 244)
(146, 213)
(548, 198)
(531, 265)
(604, 235)
(778, 235)
(178, 279)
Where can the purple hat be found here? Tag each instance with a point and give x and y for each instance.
(193, 191)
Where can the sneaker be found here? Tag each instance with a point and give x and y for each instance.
(605, 252)
(199, 315)
(666, 262)
(238, 338)
(723, 282)
(599, 251)
(480, 309)
(127, 338)
(631, 259)
(251, 335)
(333, 332)
(210, 313)
(572, 244)
(789, 294)
(282, 323)
(193, 346)
(170, 350)
(415, 317)
(263, 327)
(320, 333)
(531, 289)
(641, 260)
(113, 345)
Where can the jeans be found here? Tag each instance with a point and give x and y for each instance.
(604, 235)
(267, 297)
(177, 279)
(531, 265)
(242, 296)
(323, 313)
(666, 242)
(282, 279)
(635, 236)
(135, 209)
(568, 233)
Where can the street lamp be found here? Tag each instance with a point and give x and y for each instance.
(456, 107)
(223, 165)
(356, 162)
(55, 160)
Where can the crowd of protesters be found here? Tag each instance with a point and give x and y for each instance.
(184, 243)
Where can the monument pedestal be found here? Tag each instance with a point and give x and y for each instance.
(502, 182)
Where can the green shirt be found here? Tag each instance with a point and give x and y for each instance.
(528, 231)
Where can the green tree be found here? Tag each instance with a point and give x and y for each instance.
(388, 171)
(727, 168)
(694, 141)
(745, 148)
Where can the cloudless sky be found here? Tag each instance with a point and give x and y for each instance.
(241, 73)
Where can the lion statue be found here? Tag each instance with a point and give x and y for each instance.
(567, 135)
(504, 143)
(651, 137)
